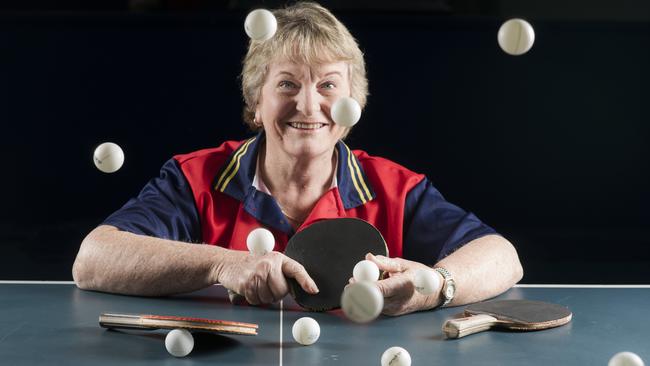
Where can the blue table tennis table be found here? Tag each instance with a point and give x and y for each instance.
(55, 323)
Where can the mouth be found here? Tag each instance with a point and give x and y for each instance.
(306, 126)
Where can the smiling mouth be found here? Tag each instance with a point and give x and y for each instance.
(306, 126)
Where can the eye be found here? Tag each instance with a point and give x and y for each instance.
(286, 84)
(328, 85)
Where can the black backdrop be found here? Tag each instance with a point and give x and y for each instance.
(551, 148)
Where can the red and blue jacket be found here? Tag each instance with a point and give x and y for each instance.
(208, 197)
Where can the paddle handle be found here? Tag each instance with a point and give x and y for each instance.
(458, 328)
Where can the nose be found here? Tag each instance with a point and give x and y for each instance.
(308, 101)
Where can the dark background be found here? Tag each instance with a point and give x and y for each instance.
(551, 148)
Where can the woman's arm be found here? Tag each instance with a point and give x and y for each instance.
(116, 261)
(483, 268)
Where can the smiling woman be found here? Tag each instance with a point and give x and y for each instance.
(296, 171)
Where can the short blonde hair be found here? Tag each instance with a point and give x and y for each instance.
(309, 34)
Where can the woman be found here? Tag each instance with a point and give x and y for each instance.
(294, 172)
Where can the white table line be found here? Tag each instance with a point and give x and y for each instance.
(37, 282)
(24, 282)
(281, 327)
(578, 286)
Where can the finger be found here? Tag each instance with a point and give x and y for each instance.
(250, 292)
(278, 284)
(396, 287)
(264, 292)
(387, 264)
(295, 270)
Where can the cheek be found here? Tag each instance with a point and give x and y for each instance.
(276, 108)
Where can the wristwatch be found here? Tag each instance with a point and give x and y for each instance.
(448, 287)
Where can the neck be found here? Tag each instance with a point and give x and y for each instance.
(297, 176)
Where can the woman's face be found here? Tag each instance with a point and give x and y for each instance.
(295, 104)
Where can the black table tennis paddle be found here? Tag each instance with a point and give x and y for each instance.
(522, 315)
(329, 250)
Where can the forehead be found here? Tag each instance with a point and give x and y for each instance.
(302, 70)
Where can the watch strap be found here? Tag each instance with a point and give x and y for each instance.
(448, 281)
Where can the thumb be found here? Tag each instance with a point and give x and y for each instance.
(295, 270)
(391, 265)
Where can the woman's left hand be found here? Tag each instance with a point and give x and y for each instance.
(400, 296)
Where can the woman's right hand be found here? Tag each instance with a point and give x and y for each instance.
(261, 279)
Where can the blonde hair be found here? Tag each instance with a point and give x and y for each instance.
(309, 34)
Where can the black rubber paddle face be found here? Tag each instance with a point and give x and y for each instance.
(523, 312)
(329, 250)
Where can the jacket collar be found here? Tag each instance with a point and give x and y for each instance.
(235, 177)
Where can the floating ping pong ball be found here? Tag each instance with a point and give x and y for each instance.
(260, 241)
(260, 25)
(516, 36)
(306, 331)
(179, 342)
(426, 281)
(625, 359)
(396, 356)
(366, 271)
(362, 302)
(108, 157)
(346, 112)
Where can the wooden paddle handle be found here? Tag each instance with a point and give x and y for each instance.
(458, 328)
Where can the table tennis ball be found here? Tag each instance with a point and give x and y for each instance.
(366, 271)
(396, 356)
(346, 112)
(516, 37)
(362, 302)
(625, 359)
(306, 331)
(179, 342)
(260, 25)
(108, 157)
(260, 241)
(426, 281)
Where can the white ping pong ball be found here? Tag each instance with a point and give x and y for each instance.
(260, 241)
(346, 112)
(179, 342)
(306, 331)
(625, 359)
(260, 25)
(396, 356)
(426, 281)
(516, 37)
(366, 271)
(362, 302)
(108, 157)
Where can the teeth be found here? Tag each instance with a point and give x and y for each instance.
(306, 126)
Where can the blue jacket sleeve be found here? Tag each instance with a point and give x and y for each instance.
(434, 228)
(164, 208)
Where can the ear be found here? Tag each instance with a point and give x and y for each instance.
(257, 121)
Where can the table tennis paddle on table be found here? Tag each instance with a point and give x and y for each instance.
(521, 315)
(151, 322)
(329, 250)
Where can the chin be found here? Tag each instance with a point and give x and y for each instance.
(309, 149)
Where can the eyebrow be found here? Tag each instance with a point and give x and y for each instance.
(292, 75)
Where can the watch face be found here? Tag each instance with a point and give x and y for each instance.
(449, 291)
